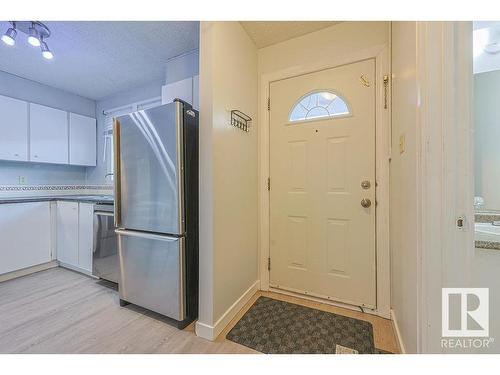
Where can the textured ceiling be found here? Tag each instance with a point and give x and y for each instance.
(97, 59)
(265, 33)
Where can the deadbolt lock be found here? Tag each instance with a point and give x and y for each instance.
(366, 203)
(365, 184)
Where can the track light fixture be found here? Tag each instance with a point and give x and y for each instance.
(33, 38)
(9, 37)
(46, 53)
(37, 34)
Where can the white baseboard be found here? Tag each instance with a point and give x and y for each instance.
(401, 345)
(76, 269)
(210, 332)
(28, 271)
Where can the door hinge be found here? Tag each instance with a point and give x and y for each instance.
(386, 88)
(269, 184)
(269, 264)
(268, 104)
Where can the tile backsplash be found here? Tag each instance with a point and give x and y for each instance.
(44, 190)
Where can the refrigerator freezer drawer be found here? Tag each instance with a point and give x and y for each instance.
(152, 272)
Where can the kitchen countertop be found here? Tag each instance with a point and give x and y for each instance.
(489, 245)
(487, 217)
(101, 199)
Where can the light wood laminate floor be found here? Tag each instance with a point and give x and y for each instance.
(61, 311)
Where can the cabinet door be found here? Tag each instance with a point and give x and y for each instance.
(67, 233)
(196, 92)
(181, 89)
(82, 140)
(85, 236)
(14, 129)
(48, 135)
(24, 235)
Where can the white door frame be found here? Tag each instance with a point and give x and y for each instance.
(445, 169)
(383, 151)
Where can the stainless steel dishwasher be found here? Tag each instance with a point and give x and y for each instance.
(105, 263)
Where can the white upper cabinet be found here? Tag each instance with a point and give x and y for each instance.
(82, 140)
(13, 129)
(48, 135)
(181, 90)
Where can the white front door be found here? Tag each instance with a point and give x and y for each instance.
(322, 196)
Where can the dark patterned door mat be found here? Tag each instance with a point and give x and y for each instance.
(277, 327)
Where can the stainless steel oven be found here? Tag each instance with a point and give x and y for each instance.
(105, 263)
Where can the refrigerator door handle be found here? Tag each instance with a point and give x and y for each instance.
(150, 236)
(117, 172)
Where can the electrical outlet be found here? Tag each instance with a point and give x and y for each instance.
(22, 180)
(402, 143)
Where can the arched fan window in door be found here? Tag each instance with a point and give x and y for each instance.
(319, 104)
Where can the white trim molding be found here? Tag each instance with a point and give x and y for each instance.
(28, 271)
(383, 143)
(210, 332)
(444, 169)
(399, 338)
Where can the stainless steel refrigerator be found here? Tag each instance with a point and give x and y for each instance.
(156, 209)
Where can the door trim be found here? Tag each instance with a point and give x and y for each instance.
(383, 152)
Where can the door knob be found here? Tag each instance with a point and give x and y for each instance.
(365, 184)
(365, 202)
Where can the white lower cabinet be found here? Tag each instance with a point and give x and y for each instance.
(75, 235)
(25, 235)
(85, 236)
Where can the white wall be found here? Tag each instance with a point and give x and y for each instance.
(486, 263)
(176, 69)
(228, 171)
(404, 250)
(486, 136)
(182, 67)
(486, 274)
(95, 175)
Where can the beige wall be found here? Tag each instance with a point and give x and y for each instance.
(336, 45)
(343, 39)
(228, 168)
(404, 195)
(228, 157)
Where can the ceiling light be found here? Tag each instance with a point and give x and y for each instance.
(46, 53)
(9, 37)
(34, 37)
(37, 34)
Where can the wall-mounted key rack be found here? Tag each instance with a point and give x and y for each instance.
(240, 120)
